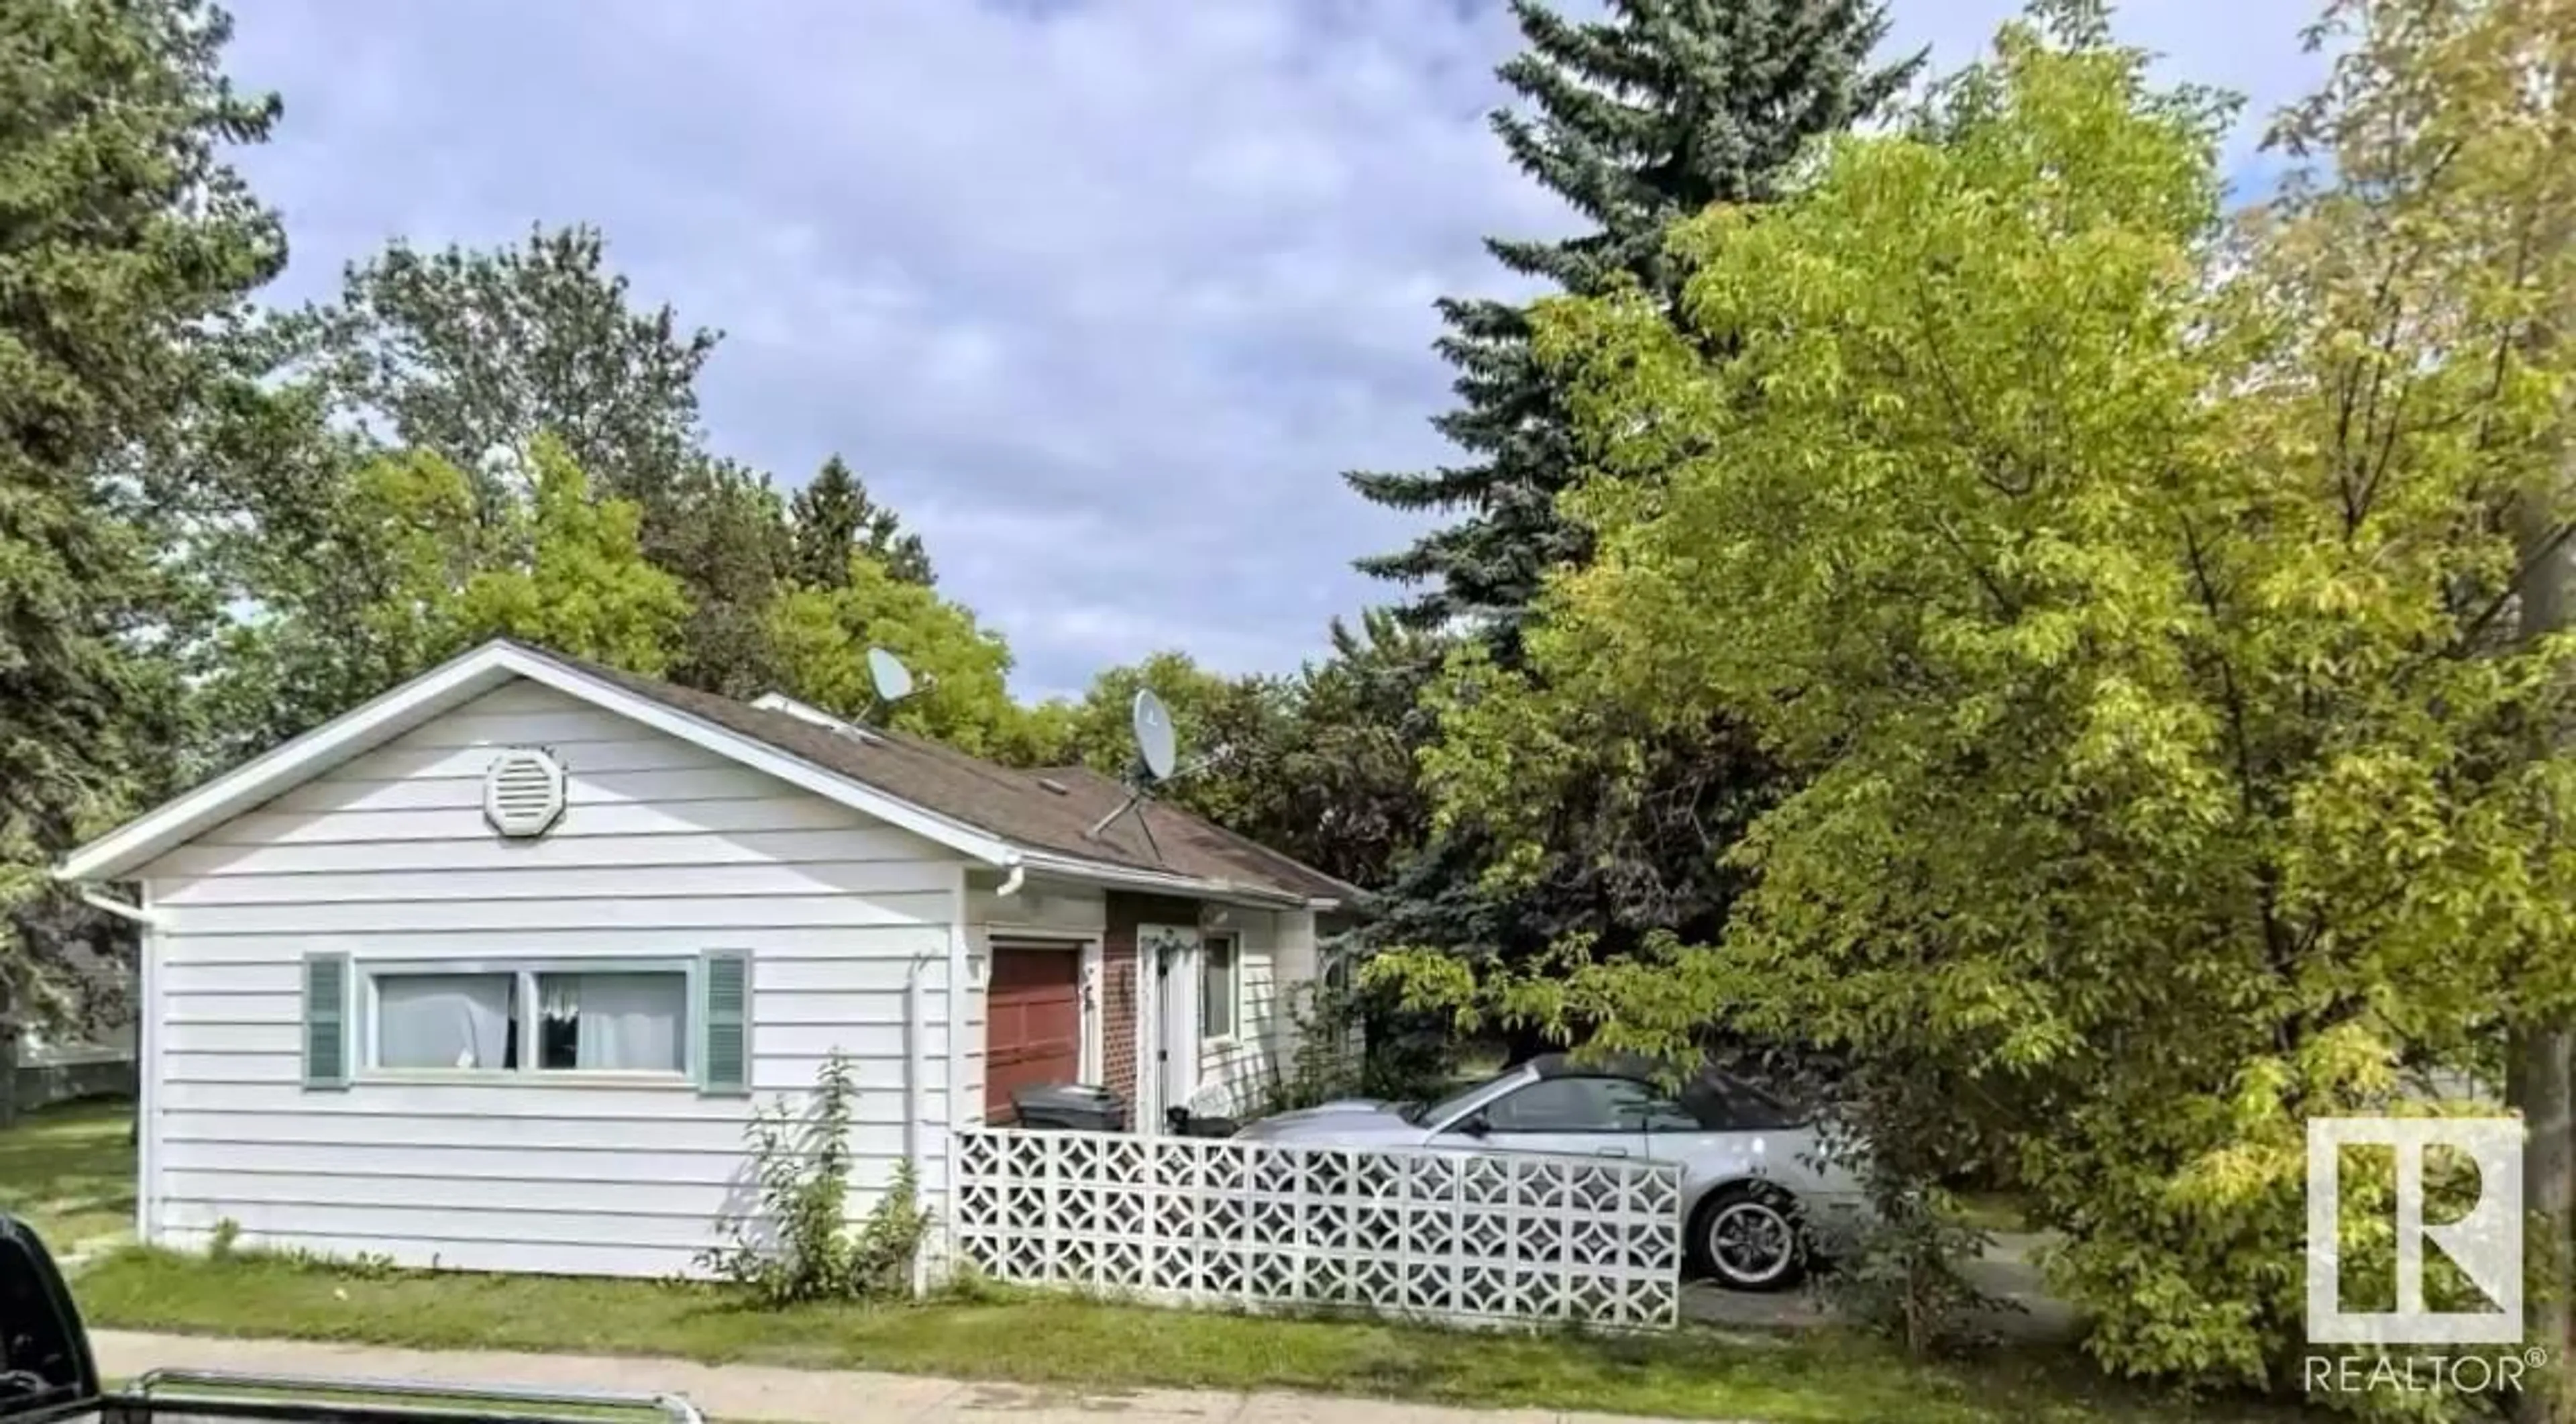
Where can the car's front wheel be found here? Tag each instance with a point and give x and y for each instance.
(1747, 1237)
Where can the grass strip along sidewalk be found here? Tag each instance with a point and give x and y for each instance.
(1812, 1377)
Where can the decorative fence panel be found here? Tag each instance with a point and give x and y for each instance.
(1463, 1237)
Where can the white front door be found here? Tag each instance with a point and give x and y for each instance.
(1171, 1030)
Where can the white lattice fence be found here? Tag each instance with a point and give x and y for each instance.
(1470, 1237)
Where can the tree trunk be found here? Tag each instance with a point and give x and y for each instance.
(2536, 1078)
(8, 1057)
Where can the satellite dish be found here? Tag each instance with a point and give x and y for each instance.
(1156, 751)
(1155, 746)
(892, 679)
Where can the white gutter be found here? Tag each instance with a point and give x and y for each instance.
(97, 899)
(1136, 878)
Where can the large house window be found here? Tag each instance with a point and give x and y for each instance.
(1220, 984)
(630, 1019)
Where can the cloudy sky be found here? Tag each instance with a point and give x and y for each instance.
(1100, 294)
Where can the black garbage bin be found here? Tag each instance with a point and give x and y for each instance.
(1186, 1123)
(1078, 1106)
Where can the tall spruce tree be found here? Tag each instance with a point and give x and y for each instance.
(1649, 115)
(1657, 111)
(833, 517)
(127, 235)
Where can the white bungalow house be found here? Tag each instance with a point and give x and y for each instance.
(488, 972)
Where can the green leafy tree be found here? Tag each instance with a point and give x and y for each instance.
(575, 578)
(126, 234)
(1347, 797)
(1230, 731)
(471, 353)
(2126, 593)
(434, 571)
(960, 671)
(725, 535)
(833, 517)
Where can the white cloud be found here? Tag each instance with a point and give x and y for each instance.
(1101, 295)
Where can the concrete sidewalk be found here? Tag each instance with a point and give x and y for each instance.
(730, 1392)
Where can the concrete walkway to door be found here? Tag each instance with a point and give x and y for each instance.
(730, 1392)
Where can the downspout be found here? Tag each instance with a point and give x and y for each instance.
(147, 1052)
(1010, 885)
(97, 899)
(916, 1033)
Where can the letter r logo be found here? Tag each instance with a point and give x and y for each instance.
(2486, 1244)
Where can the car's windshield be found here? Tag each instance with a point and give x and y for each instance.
(1419, 1113)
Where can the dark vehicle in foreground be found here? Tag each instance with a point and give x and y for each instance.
(48, 1374)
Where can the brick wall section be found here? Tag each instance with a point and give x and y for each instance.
(1119, 1058)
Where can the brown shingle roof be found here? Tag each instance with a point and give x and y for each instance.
(1017, 806)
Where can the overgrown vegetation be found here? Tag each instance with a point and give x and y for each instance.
(794, 1243)
(2129, 588)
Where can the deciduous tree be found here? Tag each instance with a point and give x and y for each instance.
(960, 696)
(2128, 593)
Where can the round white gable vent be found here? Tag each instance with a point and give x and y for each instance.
(523, 792)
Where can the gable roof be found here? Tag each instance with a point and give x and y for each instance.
(997, 815)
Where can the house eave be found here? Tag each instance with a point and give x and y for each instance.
(1125, 877)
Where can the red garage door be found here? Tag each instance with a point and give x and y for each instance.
(1032, 1023)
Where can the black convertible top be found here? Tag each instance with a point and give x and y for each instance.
(1712, 1094)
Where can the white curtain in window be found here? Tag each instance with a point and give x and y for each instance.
(442, 1020)
(630, 1021)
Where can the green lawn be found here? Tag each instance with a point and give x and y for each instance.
(1809, 1378)
(70, 1172)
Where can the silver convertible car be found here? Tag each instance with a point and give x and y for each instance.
(1757, 1203)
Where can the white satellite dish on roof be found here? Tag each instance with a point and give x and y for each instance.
(1158, 752)
(1156, 746)
(886, 673)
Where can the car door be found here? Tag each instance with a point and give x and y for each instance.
(1577, 1114)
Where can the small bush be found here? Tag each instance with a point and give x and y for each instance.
(796, 1243)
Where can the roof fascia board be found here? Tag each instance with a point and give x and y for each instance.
(1135, 878)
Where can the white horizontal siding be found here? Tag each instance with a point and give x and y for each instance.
(660, 852)
(1236, 1070)
(1041, 907)
(641, 909)
(621, 818)
(664, 851)
(434, 1124)
(480, 1253)
(824, 877)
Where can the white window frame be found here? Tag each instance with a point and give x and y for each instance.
(1234, 984)
(527, 972)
